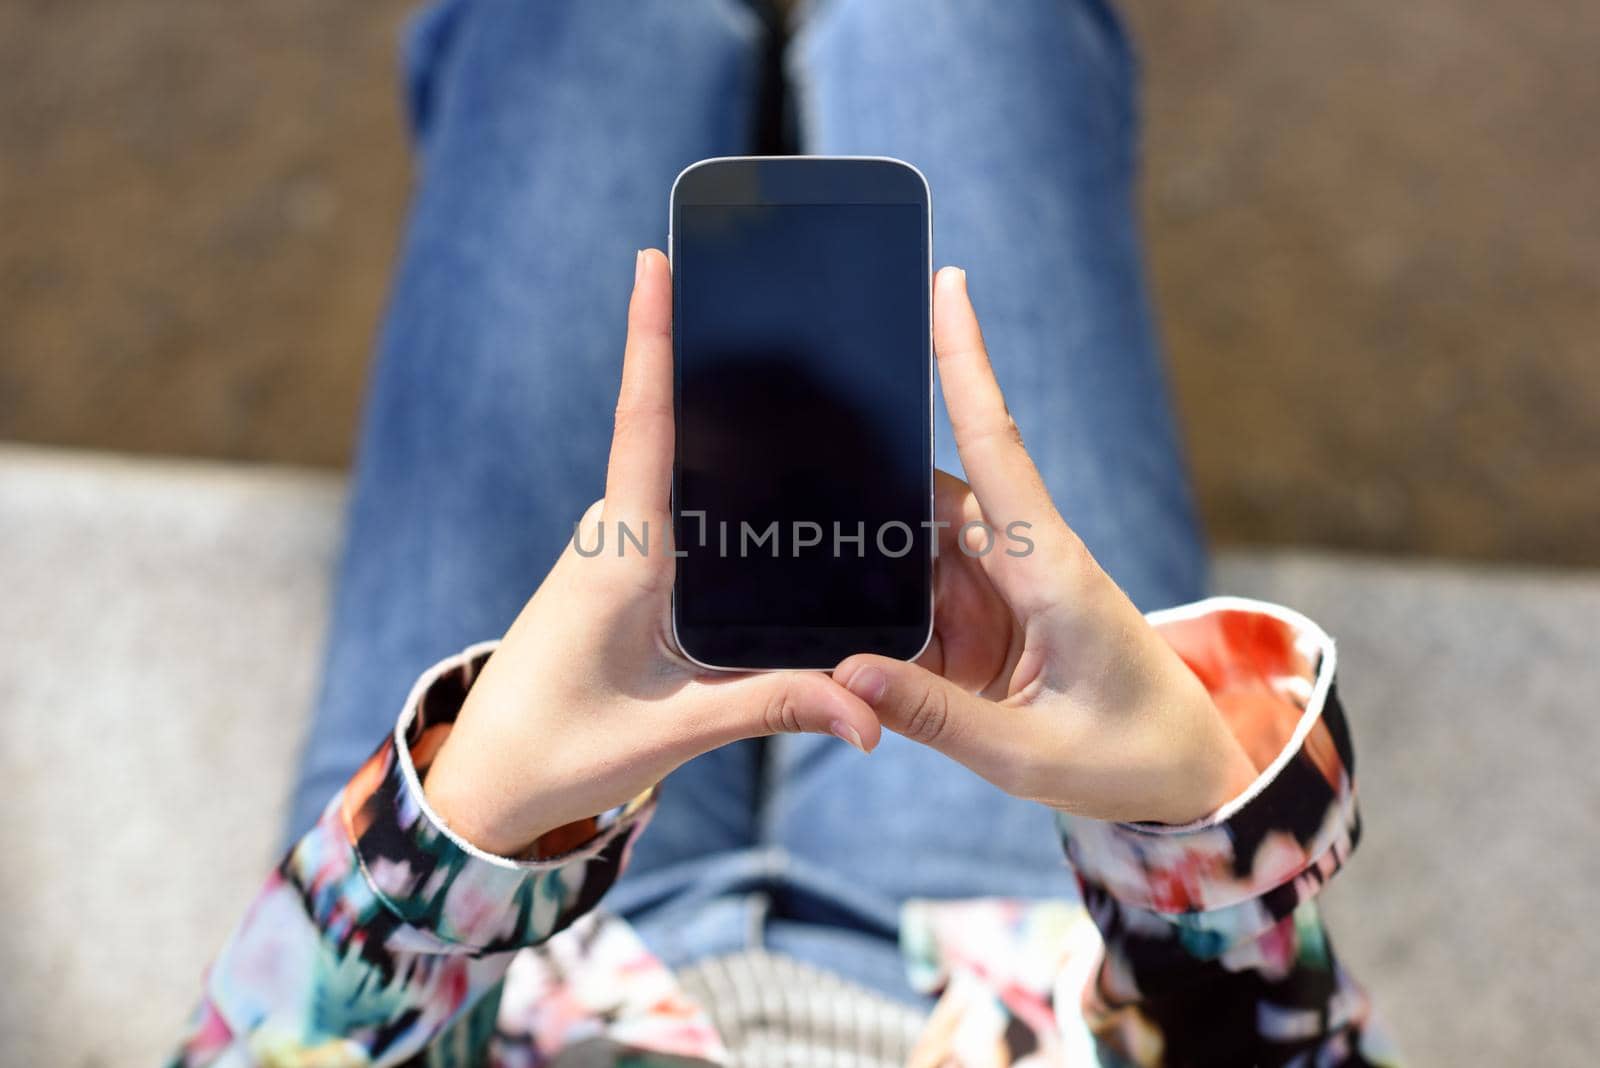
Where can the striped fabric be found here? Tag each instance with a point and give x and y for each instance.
(773, 1011)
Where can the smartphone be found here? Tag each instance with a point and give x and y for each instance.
(802, 488)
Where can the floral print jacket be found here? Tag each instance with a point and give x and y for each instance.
(381, 939)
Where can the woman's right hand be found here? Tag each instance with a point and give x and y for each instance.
(587, 702)
(1042, 676)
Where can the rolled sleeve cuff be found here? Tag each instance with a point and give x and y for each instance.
(1234, 874)
(453, 896)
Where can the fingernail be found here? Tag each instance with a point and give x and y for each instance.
(868, 684)
(638, 266)
(844, 732)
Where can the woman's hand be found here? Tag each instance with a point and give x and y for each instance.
(586, 702)
(1042, 676)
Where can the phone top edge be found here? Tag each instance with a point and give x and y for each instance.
(745, 181)
(713, 160)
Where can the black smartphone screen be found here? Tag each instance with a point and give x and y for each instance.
(802, 490)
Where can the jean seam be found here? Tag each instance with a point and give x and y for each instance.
(810, 17)
(1125, 72)
(768, 791)
(744, 22)
(424, 39)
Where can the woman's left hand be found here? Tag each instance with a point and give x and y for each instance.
(1042, 676)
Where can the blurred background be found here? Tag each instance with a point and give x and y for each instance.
(1376, 251)
(1372, 228)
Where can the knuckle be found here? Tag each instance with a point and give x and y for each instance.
(781, 715)
(1009, 430)
(588, 533)
(1065, 565)
(1020, 775)
(929, 717)
(629, 417)
(655, 574)
(1032, 767)
(622, 420)
(1083, 581)
(1001, 427)
(964, 350)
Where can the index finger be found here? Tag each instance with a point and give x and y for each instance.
(998, 466)
(639, 475)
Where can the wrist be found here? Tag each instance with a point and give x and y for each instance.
(1221, 771)
(1237, 773)
(464, 803)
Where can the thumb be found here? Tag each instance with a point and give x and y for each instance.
(784, 702)
(927, 708)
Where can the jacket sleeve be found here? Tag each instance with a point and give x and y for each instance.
(1215, 951)
(381, 930)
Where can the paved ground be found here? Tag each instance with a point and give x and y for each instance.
(1372, 224)
(161, 625)
(1378, 265)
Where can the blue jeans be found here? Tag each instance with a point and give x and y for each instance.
(547, 137)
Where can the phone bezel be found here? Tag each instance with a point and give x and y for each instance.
(779, 180)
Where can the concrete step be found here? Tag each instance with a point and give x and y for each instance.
(160, 632)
